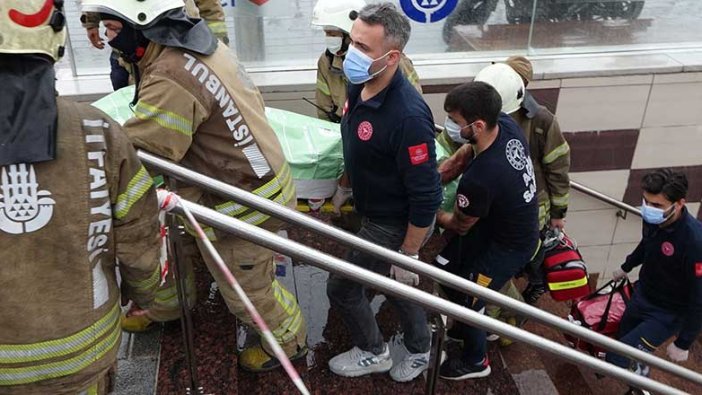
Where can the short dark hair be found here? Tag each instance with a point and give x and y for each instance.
(397, 27)
(672, 184)
(475, 101)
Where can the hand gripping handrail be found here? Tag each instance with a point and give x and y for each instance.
(264, 205)
(309, 255)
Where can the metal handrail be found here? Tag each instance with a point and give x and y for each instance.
(607, 199)
(309, 255)
(264, 205)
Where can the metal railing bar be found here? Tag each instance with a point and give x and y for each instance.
(604, 198)
(437, 274)
(309, 255)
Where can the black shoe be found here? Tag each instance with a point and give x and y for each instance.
(457, 369)
(532, 293)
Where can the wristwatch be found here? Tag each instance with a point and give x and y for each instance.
(413, 256)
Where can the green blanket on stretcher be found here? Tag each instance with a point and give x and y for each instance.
(311, 146)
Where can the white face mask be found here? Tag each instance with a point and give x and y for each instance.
(333, 43)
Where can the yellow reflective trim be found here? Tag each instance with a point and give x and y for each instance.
(556, 153)
(543, 212)
(166, 119)
(23, 353)
(560, 200)
(59, 369)
(567, 284)
(323, 87)
(284, 298)
(93, 390)
(137, 187)
(31, 374)
(651, 346)
(217, 27)
(257, 218)
(289, 328)
(267, 190)
(153, 279)
(484, 280)
(538, 247)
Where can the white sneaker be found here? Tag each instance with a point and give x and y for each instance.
(356, 362)
(410, 367)
(398, 351)
(406, 366)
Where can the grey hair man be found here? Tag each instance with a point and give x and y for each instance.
(388, 137)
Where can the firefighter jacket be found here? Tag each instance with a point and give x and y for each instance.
(550, 154)
(204, 112)
(63, 225)
(330, 94)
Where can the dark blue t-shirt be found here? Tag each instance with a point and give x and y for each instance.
(499, 187)
(389, 154)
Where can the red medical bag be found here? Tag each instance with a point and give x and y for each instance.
(565, 271)
(601, 312)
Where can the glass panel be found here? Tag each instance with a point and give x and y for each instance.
(87, 59)
(567, 26)
(277, 34)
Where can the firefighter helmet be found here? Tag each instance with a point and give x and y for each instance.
(338, 14)
(506, 82)
(33, 27)
(137, 12)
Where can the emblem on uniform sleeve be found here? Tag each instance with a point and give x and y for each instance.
(667, 248)
(462, 201)
(365, 131)
(418, 153)
(698, 269)
(23, 207)
(515, 154)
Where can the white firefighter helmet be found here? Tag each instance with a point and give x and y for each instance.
(506, 82)
(138, 12)
(32, 26)
(339, 14)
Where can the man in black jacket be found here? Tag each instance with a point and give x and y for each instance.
(668, 297)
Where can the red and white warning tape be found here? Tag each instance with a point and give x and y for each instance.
(168, 201)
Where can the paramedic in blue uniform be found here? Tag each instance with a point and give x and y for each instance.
(495, 216)
(388, 140)
(667, 299)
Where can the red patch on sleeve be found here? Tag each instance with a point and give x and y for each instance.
(698, 269)
(418, 153)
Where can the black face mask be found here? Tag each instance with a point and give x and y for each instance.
(130, 42)
(28, 112)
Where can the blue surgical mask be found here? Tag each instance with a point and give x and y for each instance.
(357, 66)
(654, 215)
(454, 131)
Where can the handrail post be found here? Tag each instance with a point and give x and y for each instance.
(438, 330)
(175, 235)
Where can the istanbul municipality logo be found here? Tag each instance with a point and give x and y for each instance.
(23, 207)
(428, 11)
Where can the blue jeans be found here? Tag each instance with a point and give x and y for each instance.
(491, 268)
(644, 326)
(118, 74)
(350, 297)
